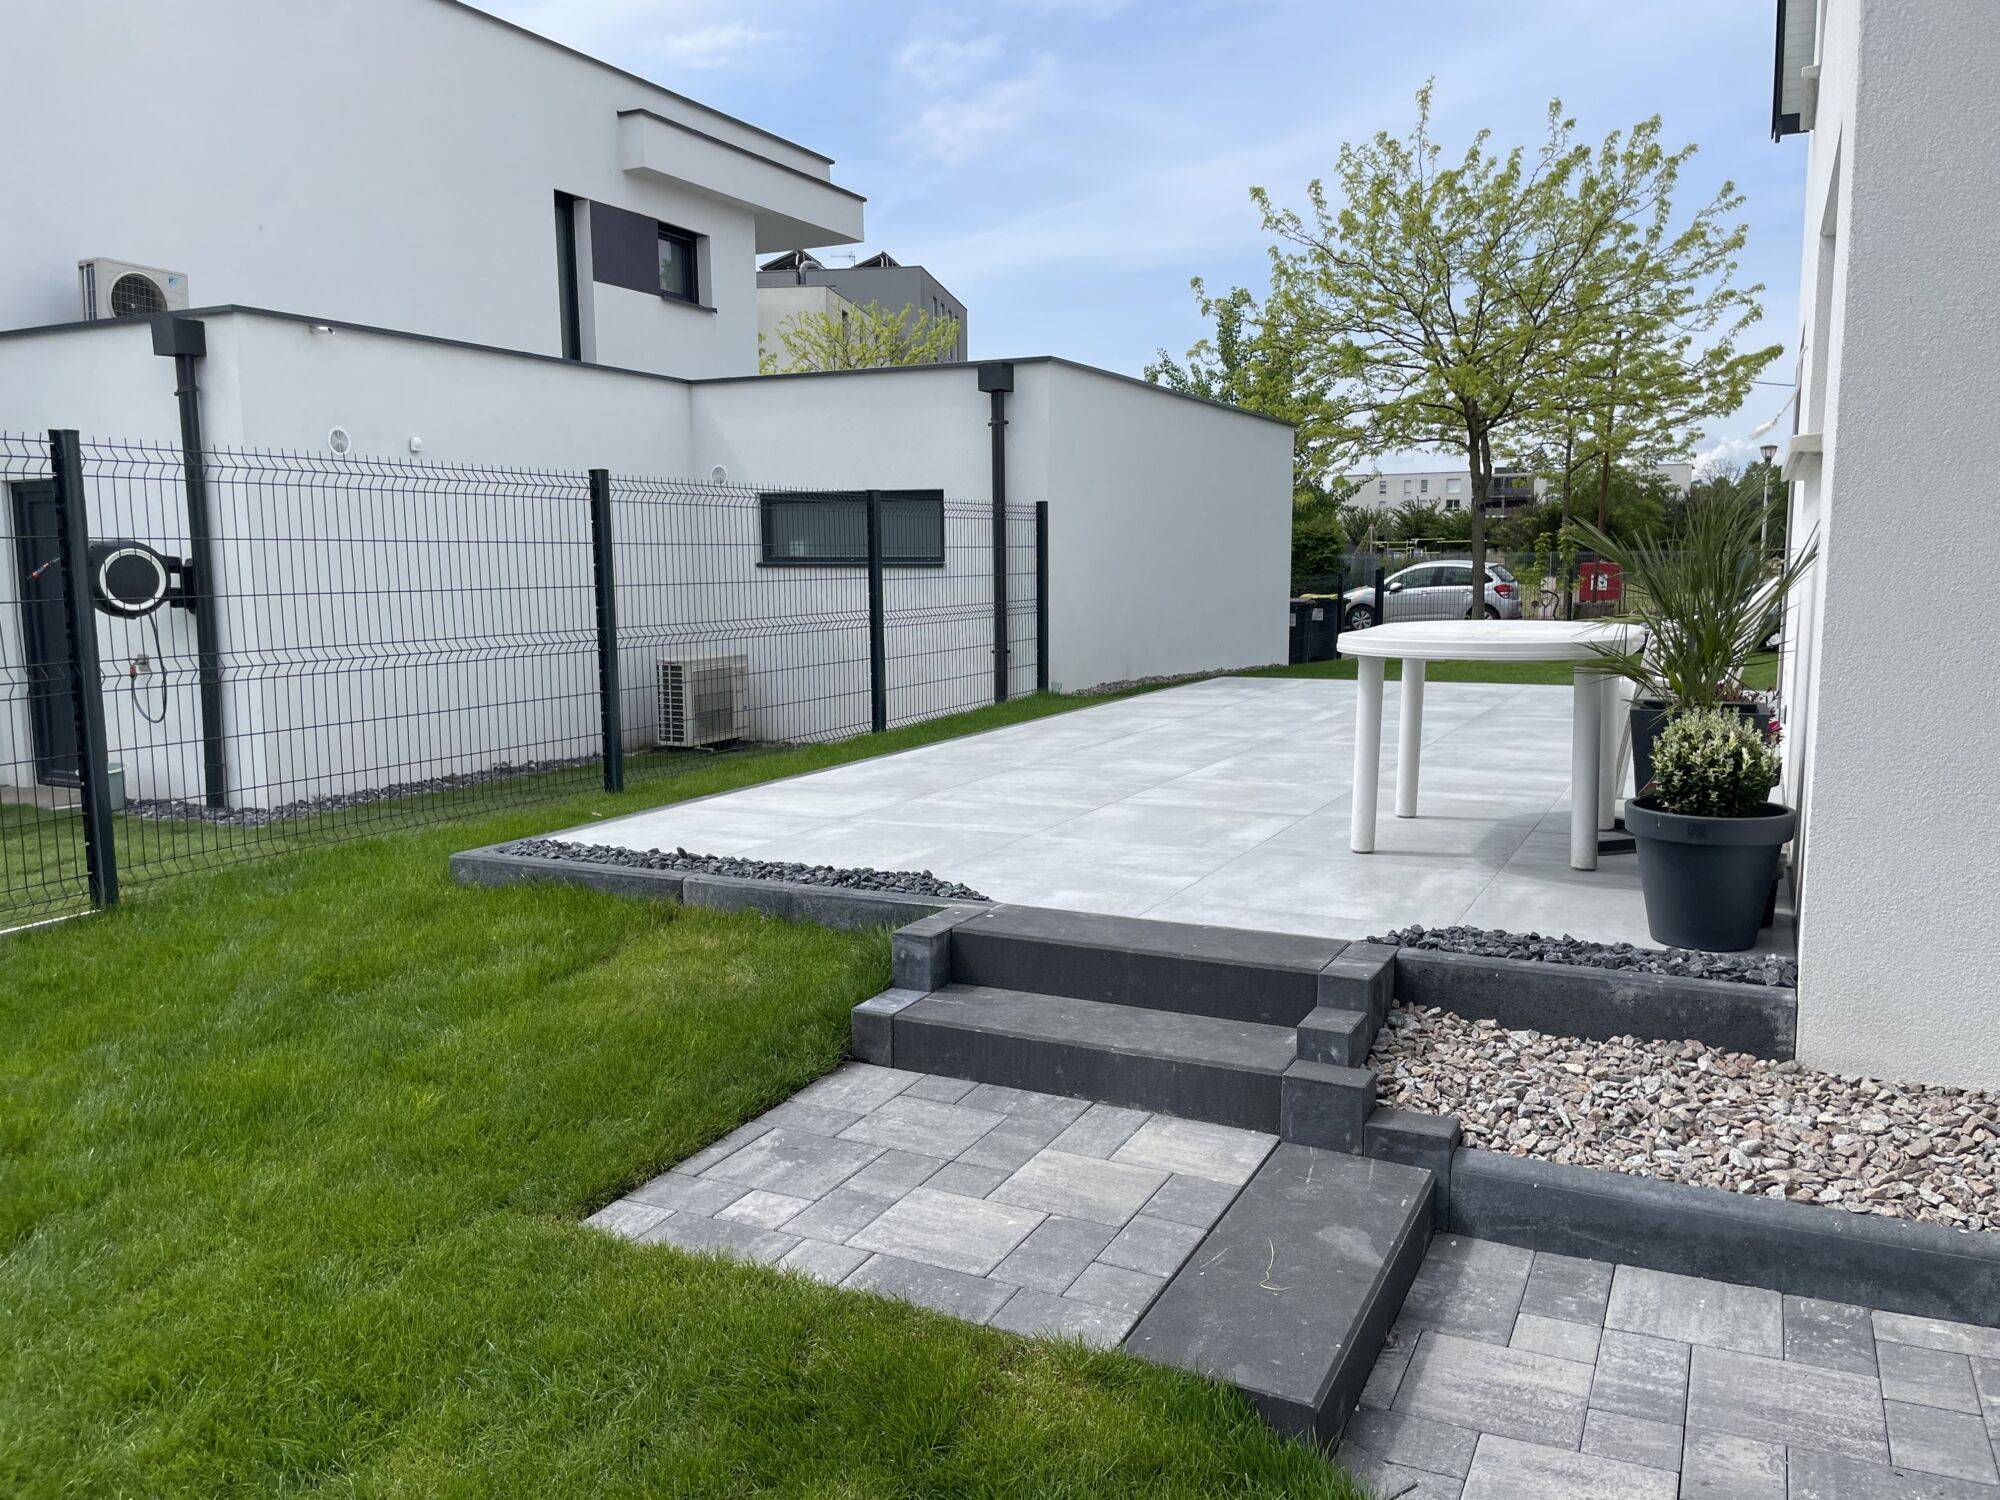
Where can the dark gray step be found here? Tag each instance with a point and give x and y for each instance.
(1292, 1293)
(1196, 1067)
(1267, 977)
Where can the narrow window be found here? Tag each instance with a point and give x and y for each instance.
(677, 265)
(566, 297)
(831, 530)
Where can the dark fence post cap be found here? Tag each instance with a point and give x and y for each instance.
(177, 335)
(997, 377)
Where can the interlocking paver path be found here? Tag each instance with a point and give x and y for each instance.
(1513, 1373)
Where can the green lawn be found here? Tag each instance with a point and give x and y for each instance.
(292, 1155)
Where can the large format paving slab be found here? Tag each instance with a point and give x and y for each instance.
(1222, 802)
(1518, 1373)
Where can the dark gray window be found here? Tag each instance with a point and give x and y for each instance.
(830, 530)
(677, 265)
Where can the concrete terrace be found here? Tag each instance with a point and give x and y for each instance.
(1222, 802)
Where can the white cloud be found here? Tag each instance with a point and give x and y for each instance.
(941, 63)
(716, 45)
(955, 128)
(676, 33)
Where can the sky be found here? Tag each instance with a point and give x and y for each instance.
(1065, 166)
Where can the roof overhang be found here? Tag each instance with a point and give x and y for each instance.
(793, 208)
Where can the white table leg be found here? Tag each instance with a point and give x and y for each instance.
(1610, 742)
(1367, 755)
(1409, 738)
(1585, 751)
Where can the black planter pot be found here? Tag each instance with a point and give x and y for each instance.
(1707, 880)
(1649, 717)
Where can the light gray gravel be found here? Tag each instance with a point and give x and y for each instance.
(1687, 1112)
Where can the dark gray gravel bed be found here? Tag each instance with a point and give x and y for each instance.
(900, 882)
(1483, 942)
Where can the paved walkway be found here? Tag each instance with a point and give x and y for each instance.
(1026, 1211)
(1514, 1374)
(1222, 802)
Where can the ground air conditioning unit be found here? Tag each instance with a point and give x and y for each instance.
(117, 289)
(701, 700)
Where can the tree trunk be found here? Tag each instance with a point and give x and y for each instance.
(1567, 609)
(1603, 491)
(1481, 454)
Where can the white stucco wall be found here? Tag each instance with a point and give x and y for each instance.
(394, 163)
(1889, 686)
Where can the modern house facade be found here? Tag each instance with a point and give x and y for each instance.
(1890, 717)
(1450, 489)
(877, 281)
(475, 247)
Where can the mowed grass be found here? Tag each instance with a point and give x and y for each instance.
(292, 1158)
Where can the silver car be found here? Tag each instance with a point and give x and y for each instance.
(1432, 591)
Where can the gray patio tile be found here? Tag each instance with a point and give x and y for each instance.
(1940, 1442)
(1011, 1143)
(841, 1214)
(1385, 1378)
(1080, 1187)
(1505, 1469)
(1054, 1254)
(972, 1235)
(1470, 1289)
(627, 1218)
(721, 1237)
(1936, 1333)
(822, 1261)
(1832, 1335)
(1411, 1441)
(1986, 1381)
(762, 1209)
(1173, 825)
(939, 1089)
(1496, 1389)
(1721, 1466)
(796, 1113)
(1041, 1314)
(1635, 1440)
(1220, 1153)
(1640, 1376)
(717, 1151)
(1563, 1286)
(1540, 1335)
(1776, 1402)
(969, 1179)
(1099, 1130)
(923, 1126)
(1828, 1476)
(894, 1173)
(973, 1298)
(1026, 1104)
(1380, 1477)
(688, 1195)
(1928, 1377)
(806, 1166)
(1155, 1246)
(1115, 1287)
(1694, 1310)
(1190, 1200)
(857, 1086)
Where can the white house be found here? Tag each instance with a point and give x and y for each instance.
(1450, 489)
(425, 231)
(1889, 679)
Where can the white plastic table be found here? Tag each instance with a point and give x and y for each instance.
(1594, 736)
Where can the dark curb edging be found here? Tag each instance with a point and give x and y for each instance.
(825, 905)
(1574, 1000)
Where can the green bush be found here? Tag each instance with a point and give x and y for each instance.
(1712, 763)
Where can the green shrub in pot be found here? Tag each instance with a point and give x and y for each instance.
(1708, 835)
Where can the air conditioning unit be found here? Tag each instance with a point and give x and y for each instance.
(701, 700)
(117, 289)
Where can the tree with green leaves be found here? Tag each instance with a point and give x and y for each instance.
(863, 337)
(1461, 305)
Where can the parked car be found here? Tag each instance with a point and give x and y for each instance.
(1432, 591)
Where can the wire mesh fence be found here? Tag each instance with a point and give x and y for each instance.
(217, 661)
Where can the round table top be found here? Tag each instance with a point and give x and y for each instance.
(1491, 640)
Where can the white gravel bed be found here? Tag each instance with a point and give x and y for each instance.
(1687, 1112)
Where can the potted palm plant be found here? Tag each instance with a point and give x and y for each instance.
(1708, 833)
(1708, 600)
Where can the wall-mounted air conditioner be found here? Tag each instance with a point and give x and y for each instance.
(701, 701)
(118, 289)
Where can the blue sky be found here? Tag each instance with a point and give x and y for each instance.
(1065, 166)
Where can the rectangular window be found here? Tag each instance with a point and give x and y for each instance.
(1381, 486)
(1452, 502)
(677, 265)
(1406, 486)
(831, 530)
(1423, 486)
(1451, 486)
(567, 308)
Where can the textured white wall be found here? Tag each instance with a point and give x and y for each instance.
(1892, 695)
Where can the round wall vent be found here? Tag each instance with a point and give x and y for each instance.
(340, 440)
(136, 296)
(128, 578)
(718, 475)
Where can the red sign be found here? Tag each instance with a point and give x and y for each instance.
(1600, 583)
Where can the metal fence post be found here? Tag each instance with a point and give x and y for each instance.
(1381, 576)
(86, 684)
(878, 633)
(604, 577)
(1041, 596)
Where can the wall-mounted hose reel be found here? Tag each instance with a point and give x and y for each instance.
(130, 580)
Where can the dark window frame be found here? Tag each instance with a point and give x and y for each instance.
(569, 302)
(690, 242)
(768, 499)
